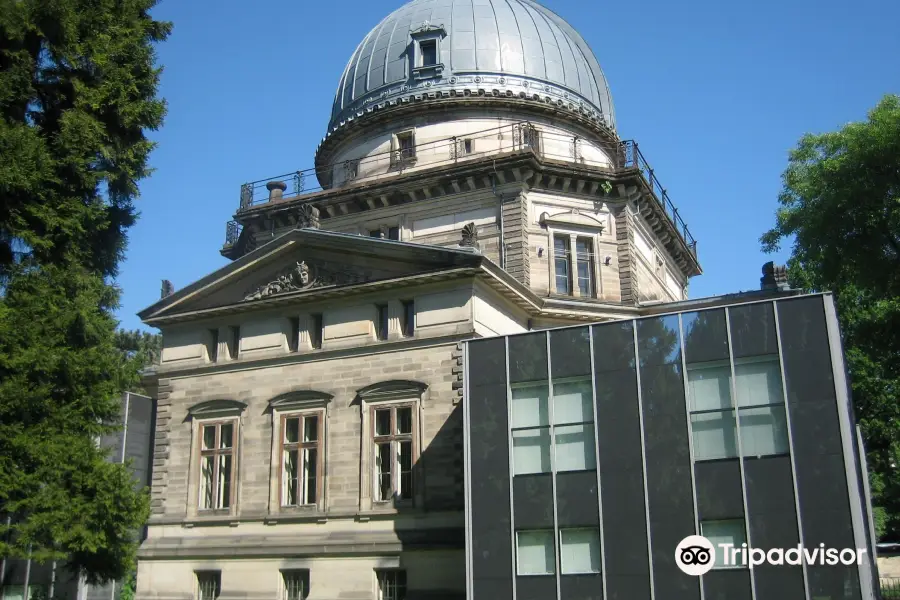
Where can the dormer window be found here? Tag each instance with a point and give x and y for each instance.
(428, 53)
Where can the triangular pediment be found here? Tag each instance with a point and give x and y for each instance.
(309, 261)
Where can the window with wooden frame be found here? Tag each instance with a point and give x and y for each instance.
(301, 458)
(217, 464)
(393, 428)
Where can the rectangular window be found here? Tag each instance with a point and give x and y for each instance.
(406, 144)
(381, 321)
(296, 584)
(394, 233)
(217, 441)
(732, 532)
(467, 146)
(392, 434)
(234, 341)
(316, 330)
(561, 264)
(760, 402)
(585, 266)
(391, 584)
(535, 554)
(579, 551)
(573, 425)
(213, 350)
(712, 414)
(17, 592)
(375, 233)
(294, 340)
(428, 49)
(300, 459)
(209, 585)
(408, 318)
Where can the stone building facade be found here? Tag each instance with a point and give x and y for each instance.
(471, 184)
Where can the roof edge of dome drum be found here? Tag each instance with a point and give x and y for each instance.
(500, 49)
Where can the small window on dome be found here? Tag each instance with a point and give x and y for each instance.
(428, 53)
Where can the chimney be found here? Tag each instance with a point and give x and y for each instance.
(276, 190)
(167, 289)
(774, 278)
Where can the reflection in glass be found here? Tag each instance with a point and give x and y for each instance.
(309, 481)
(310, 429)
(383, 470)
(223, 499)
(292, 431)
(720, 533)
(531, 451)
(709, 386)
(383, 422)
(404, 420)
(209, 437)
(227, 436)
(289, 479)
(207, 466)
(758, 381)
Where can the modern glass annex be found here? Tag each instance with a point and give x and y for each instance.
(592, 451)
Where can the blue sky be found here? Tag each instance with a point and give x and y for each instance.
(716, 94)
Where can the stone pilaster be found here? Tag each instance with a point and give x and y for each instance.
(625, 239)
(514, 213)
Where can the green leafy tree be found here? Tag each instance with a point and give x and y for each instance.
(840, 207)
(139, 349)
(78, 92)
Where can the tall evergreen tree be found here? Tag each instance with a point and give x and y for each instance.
(78, 91)
(840, 207)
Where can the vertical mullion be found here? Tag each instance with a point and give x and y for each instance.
(640, 396)
(787, 420)
(737, 425)
(511, 463)
(690, 429)
(467, 477)
(597, 452)
(557, 542)
(215, 481)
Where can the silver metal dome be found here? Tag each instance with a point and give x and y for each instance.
(508, 48)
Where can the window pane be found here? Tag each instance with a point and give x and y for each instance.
(289, 481)
(13, 592)
(384, 487)
(310, 456)
(383, 422)
(223, 500)
(226, 436)
(709, 387)
(394, 233)
(209, 437)
(404, 420)
(292, 431)
(310, 428)
(763, 431)
(575, 448)
(573, 402)
(758, 382)
(714, 435)
(529, 406)
(208, 586)
(295, 585)
(404, 460)
(429, 53)
(561, 264)
(534, 553)
(584, 251)
(580, 550)
(723, 532)
(207, 467)
(531, 451)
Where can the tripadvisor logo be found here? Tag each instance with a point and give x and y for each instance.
(696, 555)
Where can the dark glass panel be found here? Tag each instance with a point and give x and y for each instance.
(807, 355)
(730, 584)
(753, 330)
(581, 587)
(528, 357)
(719, 492)
(620, 462)
(770, 502)
(576, 499)
(570, 352)
(534, 587)
(838, 582)
(667, 452)
(705, 336)
(778, 582)
(487, 362)
(533, 501)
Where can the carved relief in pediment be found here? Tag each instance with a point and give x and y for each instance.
(305, 276)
